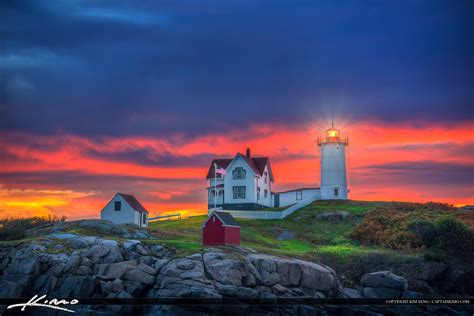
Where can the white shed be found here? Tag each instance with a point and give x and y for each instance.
(125, 209)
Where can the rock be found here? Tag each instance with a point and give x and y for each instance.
(130, 244)
(134, 288)
(24, 265)
(73, 262)
(341, 215)
(85, 288)
(160, 264)
(286, 235)
(317, 277)
(117, 285)
(196, 257)
(266, 267)
(222, 269)
(67, 287)
(83, 270)
(116, 270)
(384, 279)
(349, 293)
(278, 288)
(99, 251)
(412, 294)
(155, 249)
(63, 236)
(147, 269)
(114, 255)
(9, 289)
(380, 292)
(139, 276)
(185, 264)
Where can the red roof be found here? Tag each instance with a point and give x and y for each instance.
(257, 164)
(133, 202)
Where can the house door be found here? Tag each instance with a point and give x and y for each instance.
(277, 200)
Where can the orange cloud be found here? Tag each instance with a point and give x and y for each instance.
(32, 166)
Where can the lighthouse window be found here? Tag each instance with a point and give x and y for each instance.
(299, 195)
(336, 191)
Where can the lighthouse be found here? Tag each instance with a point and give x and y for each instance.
(333, 165)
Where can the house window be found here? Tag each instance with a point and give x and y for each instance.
(265, 193)
(239, 192)
(266, 176)
(144, 219)
(238, 173)
(299, 195)
(336, 191)
(258, 193)
(118, 206)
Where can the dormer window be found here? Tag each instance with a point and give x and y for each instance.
(238, 173)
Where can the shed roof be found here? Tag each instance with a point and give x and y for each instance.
(133, 202)
(225, 218)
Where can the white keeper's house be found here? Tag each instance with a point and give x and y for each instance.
(245, 182)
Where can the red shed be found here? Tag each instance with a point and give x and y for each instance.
(220, 228)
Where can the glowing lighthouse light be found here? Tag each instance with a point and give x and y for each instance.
(333, 165)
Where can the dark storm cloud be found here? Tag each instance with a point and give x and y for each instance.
(151, 157)
(155, 68)
(417, 173)
(83, 181)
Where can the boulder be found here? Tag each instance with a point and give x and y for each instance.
(384, 279)
(185, 264)
(348, 293)
(286, 235)
(73, 262)
(317, 277)
(336, 215)
(147, 269)
(380, 292)
(412, 294)
(99, 251)
(139, 276)
(116, 270)
(223, 269)
(10, 289)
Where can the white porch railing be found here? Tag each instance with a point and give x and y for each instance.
(267, 214)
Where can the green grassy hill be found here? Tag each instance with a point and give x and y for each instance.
(312, 237)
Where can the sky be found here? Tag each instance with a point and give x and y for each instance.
(102, 96)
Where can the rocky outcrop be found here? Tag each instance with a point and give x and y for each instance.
(336, 215)
(94, 267)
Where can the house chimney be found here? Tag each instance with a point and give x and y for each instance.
(247, 152)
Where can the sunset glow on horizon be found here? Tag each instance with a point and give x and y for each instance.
(76, 176)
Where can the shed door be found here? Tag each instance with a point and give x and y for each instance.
(277, 200)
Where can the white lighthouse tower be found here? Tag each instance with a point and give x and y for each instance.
(333, 165)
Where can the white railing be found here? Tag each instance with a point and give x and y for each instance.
(297, 206)
(268, 214)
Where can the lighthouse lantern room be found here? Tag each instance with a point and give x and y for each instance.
(333, 165)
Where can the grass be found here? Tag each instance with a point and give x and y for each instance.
(312, 238)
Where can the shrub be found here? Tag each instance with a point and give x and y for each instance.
(16, 228)
(424, 230)
(401, 226)
(455, 239)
